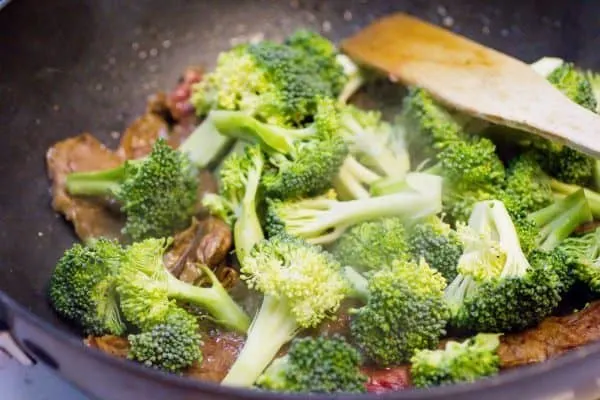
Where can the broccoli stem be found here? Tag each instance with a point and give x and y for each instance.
(559, 220)
(237, 124)
(205, 146)
(563, 189)
(272, 327)
(359, 285)
(355, 78)
(247, 230)
(388, 185)
(350, 179)
(96, 183)
(341, 214)
(214, 299)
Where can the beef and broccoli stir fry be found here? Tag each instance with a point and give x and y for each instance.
(260, 227)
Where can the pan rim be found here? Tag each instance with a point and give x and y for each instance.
(505, 379)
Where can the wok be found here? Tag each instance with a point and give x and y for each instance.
(67, 66)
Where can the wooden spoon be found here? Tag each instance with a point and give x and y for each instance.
(473, 79)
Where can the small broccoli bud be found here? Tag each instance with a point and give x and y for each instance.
(170, 345)
(316, 365)
(468, 361)
(82, 287)
(372, 245)
(405, 312)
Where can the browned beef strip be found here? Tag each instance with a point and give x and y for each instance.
(91, 218)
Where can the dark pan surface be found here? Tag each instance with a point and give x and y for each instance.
(68, 66)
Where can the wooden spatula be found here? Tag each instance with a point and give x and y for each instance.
(473, 79)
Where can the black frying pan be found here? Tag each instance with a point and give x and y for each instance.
(68, 66)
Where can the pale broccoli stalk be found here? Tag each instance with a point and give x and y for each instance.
(302, 285)
(353, 181)
(370, 141)
(237, 202)
(355, 76)
(323, 219)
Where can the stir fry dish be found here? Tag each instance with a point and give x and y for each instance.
(273, 224)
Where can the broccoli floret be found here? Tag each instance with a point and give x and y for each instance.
(302, 285)
(584, 253)
(562, 162)
(237, 202)
(370, 245)
(574, 84)
(527, 186)
(323, 219)
(472, 172)
(468, 361)
(276, 83)
(316, 365)
(430, 128)
(170, 345)
(301, 161)
(135, 185)
(497, 289)
(147, 290)
(405, 312)
(557, 221)
(437, 243)
(82, 287)
(324, 56)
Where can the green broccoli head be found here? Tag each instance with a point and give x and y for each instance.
(277, 83)
(405, 312)
(300, 161)
(372, 245)
(303, 275)
(316, 365)
(438, 244)
(467, 361)
(527, 186)
(430, 128)
(322, 53)
(562, 162)
(583, 254)
(158, 194)
(574, 84)
(170, 345)
(82, 287)
(497, 288)
(302, 285)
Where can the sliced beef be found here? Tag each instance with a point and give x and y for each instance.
(220, 350)
(91, 218)
(552, 337)
(138, 139)
(381, 380)
(207, 242)
(114, 345)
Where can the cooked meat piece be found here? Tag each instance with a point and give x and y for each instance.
(207, 242)
(90, 218)
(138, 139)
(552, 337)
(340, 325)
(220, 350)
(387, 380)
(113, 345)
(179, 100)
(216, 242)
